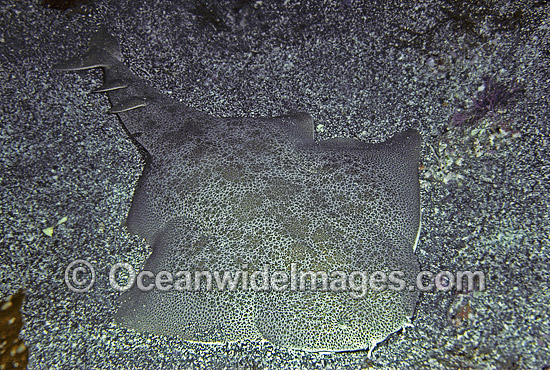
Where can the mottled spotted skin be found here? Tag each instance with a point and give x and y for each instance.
(247, 194)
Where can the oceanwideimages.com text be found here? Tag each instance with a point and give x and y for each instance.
(122, 277)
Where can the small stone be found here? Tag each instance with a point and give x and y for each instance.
(48, 231)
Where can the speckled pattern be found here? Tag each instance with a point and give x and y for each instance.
(220, 193)
(363, 70)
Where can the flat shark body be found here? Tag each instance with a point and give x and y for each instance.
(254, 199)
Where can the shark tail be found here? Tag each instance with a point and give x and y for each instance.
(104, 51)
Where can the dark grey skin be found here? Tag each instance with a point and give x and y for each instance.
(241, 195)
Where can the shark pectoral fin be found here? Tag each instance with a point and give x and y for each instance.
(300, 126)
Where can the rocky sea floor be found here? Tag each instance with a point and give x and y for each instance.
(473, 80)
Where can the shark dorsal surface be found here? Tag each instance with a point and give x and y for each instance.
(264, 233)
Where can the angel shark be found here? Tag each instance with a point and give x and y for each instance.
(250, 201)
